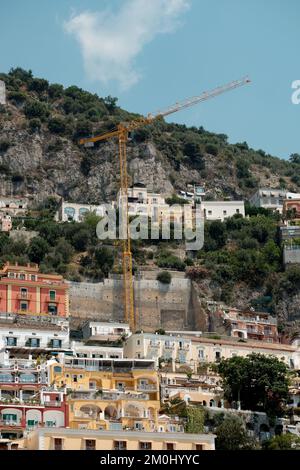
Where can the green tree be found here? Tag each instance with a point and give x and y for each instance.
(164, 277)
(57, 125)
(37, 249)
(195, 420)
(36, 109)
(231, 435)
(282, 442)
(81, 239)
(257, 381)
(38, 84)
(110, 103)
(217, 231)
(295, 158)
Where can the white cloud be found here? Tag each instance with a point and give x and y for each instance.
(110, 42)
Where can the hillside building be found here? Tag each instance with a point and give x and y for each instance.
(23, 335)
(23, 289)
(272, 198)
(71, 211)
(109, 393)
(221, 210)
(81, 439)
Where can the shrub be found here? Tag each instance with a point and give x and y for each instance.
(211, 149)
(164, 277)
(83, 128)
(35, 124)
(38, 84)
(35, 109)
(171, 261)
(196, 273)
(55, 90)
(57, 125)
(17, 97)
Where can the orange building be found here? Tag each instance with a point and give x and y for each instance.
(23, 289)
(291, 208)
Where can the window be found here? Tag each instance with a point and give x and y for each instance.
(22, 276)
(23, 306)
(199, 447)
(90, 444)
(120, 386)
(145, 445)
(11, 341)
(224, 212)
(92, 385)
(34, 342)
(170, 446)
(52, 294)
(58, 444)
(23, 292)
(52, 309)
(138, 342)
(74, 377)
(218, 356)
(237, 211)
(120, 445)
(209, 212)
(9, 417)
(201, 354)
(56, 343)
(32, 277)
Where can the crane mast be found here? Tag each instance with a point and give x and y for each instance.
(122, 133)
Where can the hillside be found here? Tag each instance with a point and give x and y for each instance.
(40, 155)
(241, 261)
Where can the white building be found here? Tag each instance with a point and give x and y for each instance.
(143, 202)
(2, 93)
(106, 352)
(71, 211)
(193, 351)
(271, 198)
(27, 336)
(154, 346)
(220, 210)
(104, 331)
(13, 206)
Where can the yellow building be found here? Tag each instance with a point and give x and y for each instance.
(76, 439)
(111, 394)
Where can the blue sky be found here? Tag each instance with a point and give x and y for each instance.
(174, 50)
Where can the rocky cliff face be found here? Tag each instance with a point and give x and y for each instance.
(42, 160)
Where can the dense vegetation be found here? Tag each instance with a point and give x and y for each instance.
(258, 382)
(71, 113)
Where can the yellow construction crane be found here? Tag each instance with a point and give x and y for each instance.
(121, 132)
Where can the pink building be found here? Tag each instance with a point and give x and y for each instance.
(23, 289)
(6, 223)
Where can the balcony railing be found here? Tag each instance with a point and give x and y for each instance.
(52, 299)
(24, 296)
(148, 387)
(154, 345)
(53, 403)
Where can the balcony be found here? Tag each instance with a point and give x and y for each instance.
(149, 387)
(10, 425)
(24, 296)
(53, 403)
(51, 299)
